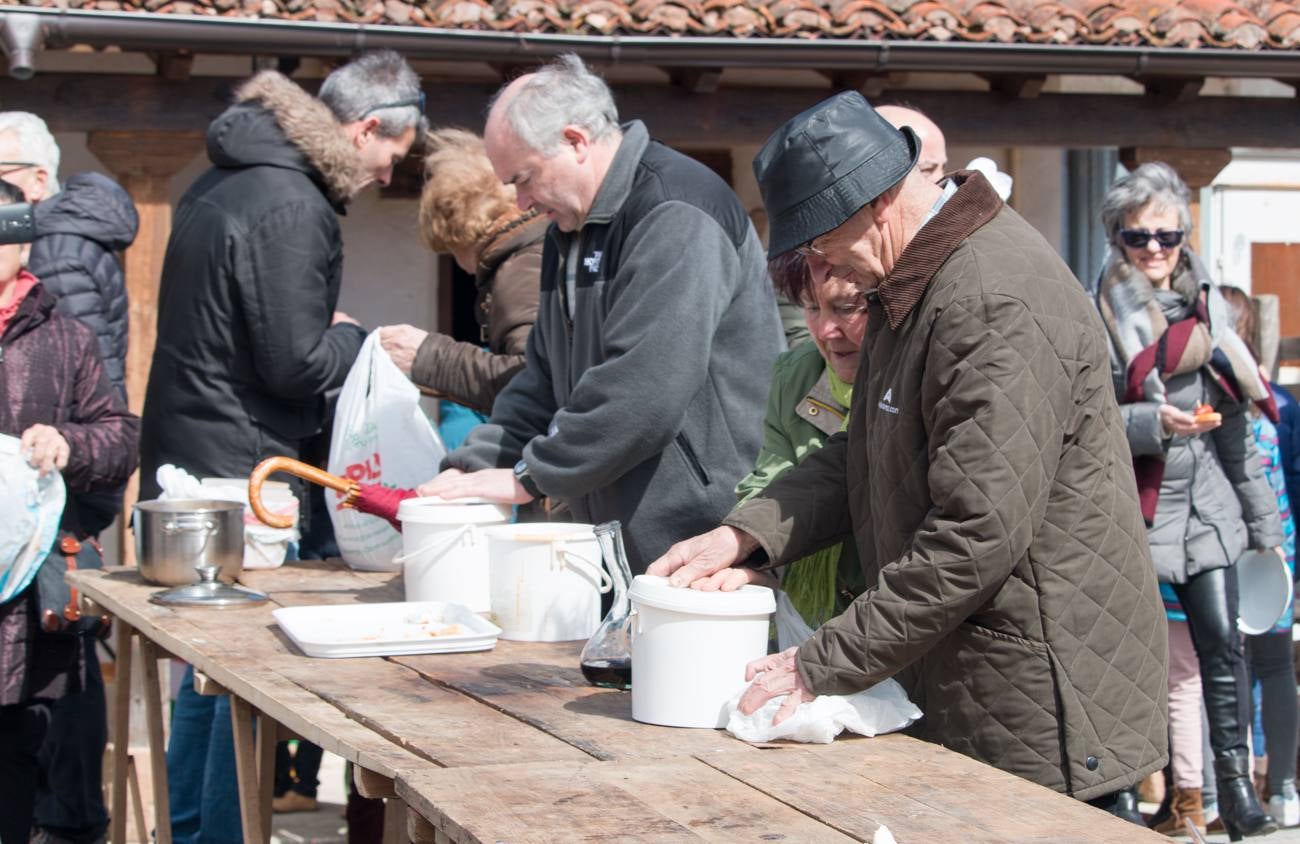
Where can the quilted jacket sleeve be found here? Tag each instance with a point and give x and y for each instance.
(1234, 440)
(994, 395)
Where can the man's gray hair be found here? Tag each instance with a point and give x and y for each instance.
(35, 142)
(562, 93)
(1154, 182)
(379, 84)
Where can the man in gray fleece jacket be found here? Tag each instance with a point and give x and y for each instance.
(647, 370)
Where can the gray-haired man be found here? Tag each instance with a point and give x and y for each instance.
(647, 369)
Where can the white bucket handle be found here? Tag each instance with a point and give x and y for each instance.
(562, 557)
(439, 545)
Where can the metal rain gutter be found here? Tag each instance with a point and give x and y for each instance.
(149, 31)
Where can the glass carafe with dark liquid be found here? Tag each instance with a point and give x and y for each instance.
(607, 658)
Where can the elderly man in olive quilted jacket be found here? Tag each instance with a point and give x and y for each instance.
(984, 476)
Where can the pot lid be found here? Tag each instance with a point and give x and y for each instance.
(749, 599)
(208, 592)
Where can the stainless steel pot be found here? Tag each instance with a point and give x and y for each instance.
(172, 537)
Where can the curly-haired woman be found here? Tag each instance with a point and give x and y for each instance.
(467, 212)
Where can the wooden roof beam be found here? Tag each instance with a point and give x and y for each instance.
(870, 84)
(173, 65)
(1020, 86)
(1176, 89)
(697, 80)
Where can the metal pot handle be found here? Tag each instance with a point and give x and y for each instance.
(207, 526)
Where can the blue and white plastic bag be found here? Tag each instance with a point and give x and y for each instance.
(33, 506)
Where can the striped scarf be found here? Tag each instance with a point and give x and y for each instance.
(1152, 350)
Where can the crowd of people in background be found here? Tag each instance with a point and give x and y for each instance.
(1022, 501)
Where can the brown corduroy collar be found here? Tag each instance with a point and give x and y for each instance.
(973, 205)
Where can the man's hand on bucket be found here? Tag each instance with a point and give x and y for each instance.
(496, 485)
(774, 676)
(705, 562)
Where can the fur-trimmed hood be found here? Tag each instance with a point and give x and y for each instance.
(274, 122)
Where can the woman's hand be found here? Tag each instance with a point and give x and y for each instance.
(731, 579)
(402, 342)
(45, 448)
(1184, 424)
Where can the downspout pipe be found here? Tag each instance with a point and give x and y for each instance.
(243, 36)
(22, 35)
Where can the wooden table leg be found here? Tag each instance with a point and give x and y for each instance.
(241, 719)
(121, 730)
(268, 732)
(157, 749)
(395, 821)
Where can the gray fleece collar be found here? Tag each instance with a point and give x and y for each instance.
(617, 184)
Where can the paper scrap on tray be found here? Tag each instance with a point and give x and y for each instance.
(883, 836)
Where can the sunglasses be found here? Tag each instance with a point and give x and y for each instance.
(810, 251)
(417, 101)
(1139, 238)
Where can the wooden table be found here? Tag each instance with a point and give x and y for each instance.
(512, 745)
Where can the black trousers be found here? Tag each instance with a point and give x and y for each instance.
(70, 791)
(1210, 601)
(22, 729)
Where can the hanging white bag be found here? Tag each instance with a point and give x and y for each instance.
(33, 506)
(381, 436)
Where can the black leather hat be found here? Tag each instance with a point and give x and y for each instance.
(822, 166)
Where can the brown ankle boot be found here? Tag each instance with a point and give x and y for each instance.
(1186, 803)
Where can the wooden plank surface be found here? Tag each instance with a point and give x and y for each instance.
(541, 685)
(433, 722)
(922, 792)
(662, 800)
(236, 649)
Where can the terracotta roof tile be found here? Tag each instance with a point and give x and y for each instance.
(1245, 25)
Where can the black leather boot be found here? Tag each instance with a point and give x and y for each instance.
(1239, 807)
(1126, 806)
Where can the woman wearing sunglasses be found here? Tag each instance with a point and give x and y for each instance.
(1184, 381)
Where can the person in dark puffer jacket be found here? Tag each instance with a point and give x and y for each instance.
(81, 227)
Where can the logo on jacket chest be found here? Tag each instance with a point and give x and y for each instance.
(591, 263)
(886, 402)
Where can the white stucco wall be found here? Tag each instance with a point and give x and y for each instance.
(1256, 199)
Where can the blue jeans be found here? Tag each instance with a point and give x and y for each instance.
(202, 786)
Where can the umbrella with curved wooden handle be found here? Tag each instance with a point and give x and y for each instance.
(374, 499)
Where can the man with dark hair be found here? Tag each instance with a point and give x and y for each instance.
(249, 341)
(985, 476)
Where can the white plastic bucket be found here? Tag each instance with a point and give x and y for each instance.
(444, 556)
(690, 649)
(547, 580)
(1263, 591)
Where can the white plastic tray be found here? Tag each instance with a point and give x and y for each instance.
(385, 629)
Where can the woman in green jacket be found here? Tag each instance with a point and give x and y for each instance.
(809, 401)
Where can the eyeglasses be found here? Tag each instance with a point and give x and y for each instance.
(810, 251)
(417, 101)
(1139, 238)
(15, 166)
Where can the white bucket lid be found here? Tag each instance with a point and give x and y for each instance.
(749, 599)
(459, 511)
(1264, 590)
(542, 532)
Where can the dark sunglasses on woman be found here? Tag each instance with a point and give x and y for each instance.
(1139, 238)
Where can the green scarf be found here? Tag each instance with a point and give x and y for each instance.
(810, 581)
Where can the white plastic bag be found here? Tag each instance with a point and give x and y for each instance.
(883, 708)
(381, 436)
(32, 507)
(264, 547)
